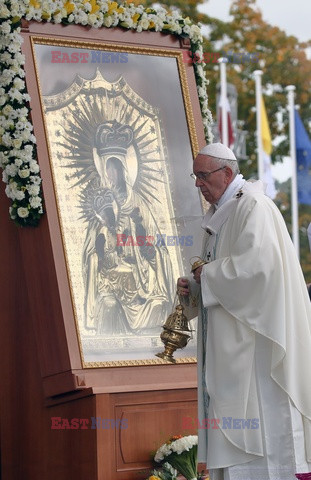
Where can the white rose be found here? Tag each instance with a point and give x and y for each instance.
(7, 109)
(108, 21)
(22, 212)
(4, 12)
(92, 19)
(16, 142)
(19, 83)
(144, 23)
(24, 173)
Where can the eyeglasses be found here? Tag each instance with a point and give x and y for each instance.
(204, 175)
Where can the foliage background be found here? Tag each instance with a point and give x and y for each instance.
(283, 61)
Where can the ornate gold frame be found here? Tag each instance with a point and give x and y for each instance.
(178, 55)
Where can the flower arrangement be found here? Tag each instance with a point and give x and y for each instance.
(167, 472)
(181, 453)
(17, 142)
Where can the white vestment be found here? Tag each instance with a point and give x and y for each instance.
(255, 356)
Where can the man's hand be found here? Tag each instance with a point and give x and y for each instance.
(197, 274)
(183, 286)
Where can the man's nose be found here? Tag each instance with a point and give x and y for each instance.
(198, 182)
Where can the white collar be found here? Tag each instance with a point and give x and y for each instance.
(233, 187)
(217, 213)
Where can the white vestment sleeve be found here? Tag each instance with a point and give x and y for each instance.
(208, 298)
(191, 302)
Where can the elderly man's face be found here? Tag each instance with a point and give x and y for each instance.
(215, 184)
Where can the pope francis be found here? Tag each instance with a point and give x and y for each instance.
(254, 347)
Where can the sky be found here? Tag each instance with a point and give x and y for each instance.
(292, 16)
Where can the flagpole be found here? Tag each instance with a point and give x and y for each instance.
(257, 75)
(292, 140)
(223, 95)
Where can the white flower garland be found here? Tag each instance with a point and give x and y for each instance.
(17, 142)
(180, 445)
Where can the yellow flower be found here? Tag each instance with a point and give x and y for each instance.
(114, 7)
(35, 4)
(95, 7)
(15, 19)
(135, 17)
(46, 15)
(154, 477)
(151, 25)
(69, 7)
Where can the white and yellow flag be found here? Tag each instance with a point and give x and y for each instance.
(266, 152)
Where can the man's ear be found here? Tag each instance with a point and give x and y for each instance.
(229, 174)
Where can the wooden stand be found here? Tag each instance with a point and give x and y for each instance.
(43, 381)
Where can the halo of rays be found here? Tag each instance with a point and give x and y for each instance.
(97, 102)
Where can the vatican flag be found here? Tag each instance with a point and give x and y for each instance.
(266, 152)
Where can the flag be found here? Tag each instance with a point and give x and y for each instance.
(266, 153)
(224, 103)
(303, 156)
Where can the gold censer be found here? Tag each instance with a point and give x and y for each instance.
(174, 334)
(175, 330)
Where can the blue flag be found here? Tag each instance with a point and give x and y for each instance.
(303, 154)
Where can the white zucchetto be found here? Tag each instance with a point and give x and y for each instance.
(218, 150)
